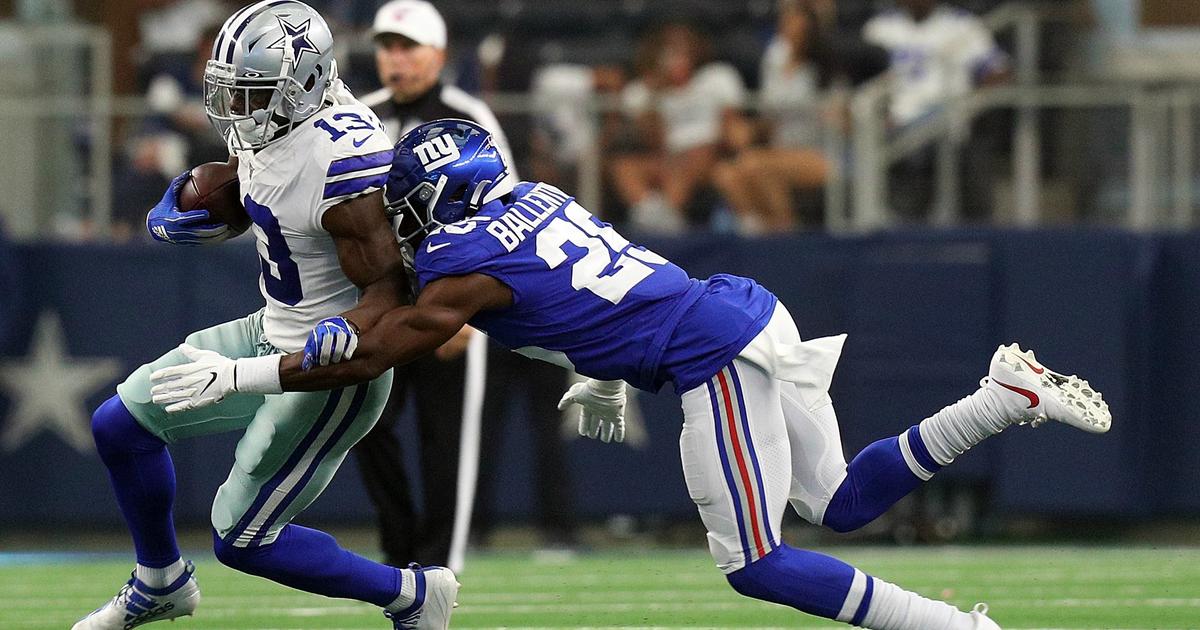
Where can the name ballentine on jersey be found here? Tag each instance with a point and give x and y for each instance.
(526, 215)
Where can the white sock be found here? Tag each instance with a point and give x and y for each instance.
(893, 608)
(160, 578)
(956, 428)
(408, 592)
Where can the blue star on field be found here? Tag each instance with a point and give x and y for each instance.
(296, 37)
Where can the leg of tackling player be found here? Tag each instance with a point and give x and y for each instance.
(1017, 390)
(737, 461)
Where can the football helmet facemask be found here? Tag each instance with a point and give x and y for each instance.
(272, 67)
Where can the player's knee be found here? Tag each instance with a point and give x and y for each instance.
(843, 524)
(755, 579)
(243, 559)
(844, 513)
(115, 430)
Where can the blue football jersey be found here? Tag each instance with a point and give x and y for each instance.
(586, 298)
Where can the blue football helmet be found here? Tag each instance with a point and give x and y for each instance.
(443, 172)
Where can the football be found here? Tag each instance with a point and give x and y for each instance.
(214, 187)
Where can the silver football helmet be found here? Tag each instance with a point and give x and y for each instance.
(272, 66)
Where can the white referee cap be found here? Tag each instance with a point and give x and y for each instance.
(417, 20)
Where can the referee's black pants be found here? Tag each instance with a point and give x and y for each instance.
(437, 390)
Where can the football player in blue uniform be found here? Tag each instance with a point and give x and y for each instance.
(534, 270)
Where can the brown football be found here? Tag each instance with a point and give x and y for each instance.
(214, 187)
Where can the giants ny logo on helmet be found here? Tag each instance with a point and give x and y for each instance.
(437, 152)
(443, 172)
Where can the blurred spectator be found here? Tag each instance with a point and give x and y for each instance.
(939, 53)
(177, 25)
(564, 129)
(175, 136)
(759, 182)
(686, 109)
(177, 99)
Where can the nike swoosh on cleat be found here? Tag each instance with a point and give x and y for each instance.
(1036, 369)
(214, 379)
(1032, 396)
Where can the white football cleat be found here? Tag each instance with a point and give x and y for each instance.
(982, 621)
(1029, 392)
(437, 589)
(136, 604)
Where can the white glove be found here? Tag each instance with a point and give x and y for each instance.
(209, 377)
(601, 408)
(207, 380)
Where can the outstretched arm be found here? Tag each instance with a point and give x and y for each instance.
(403, 334)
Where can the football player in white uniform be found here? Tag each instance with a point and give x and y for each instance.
(938, 52)
(312, 161)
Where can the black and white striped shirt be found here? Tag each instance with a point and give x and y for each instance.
(441, 101)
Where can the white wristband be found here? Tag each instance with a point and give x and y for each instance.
(257, 375)
(606, 388)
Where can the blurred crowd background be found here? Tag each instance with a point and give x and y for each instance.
(747, 117)
(865, 159)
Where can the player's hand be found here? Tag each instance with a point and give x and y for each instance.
(167, 224)
(601, 408)
(206, 380)
(332, 340)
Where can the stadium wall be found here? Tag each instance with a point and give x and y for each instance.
(924, 311)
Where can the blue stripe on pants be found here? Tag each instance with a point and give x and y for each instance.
(360, 394)
(268, 488)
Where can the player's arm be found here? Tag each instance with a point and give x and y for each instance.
(369, 256)
(403, 334)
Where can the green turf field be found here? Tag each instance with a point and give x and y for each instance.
(1028, 587)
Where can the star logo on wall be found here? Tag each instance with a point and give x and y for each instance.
(295, 38)
(48, 390)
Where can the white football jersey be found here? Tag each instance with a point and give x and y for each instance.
(935, 59)
(338, 154)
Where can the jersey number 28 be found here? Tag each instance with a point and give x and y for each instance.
(605, 249)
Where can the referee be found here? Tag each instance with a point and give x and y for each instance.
(410, 52)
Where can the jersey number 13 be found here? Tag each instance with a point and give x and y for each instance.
(280, 275)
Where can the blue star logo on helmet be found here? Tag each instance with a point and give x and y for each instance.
(295, 37)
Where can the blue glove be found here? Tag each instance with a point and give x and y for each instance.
(167, 224)
(332, 340)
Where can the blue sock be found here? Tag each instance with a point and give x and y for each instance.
(827, 587)
(312, 561)
(143, 479)
(805, 580)
(880, 475)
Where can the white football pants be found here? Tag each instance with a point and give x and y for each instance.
(751, 444)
